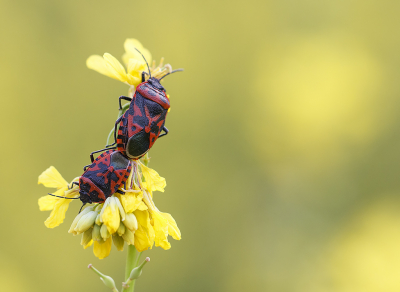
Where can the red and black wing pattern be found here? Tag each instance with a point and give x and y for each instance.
(143, 121)
(103, 178)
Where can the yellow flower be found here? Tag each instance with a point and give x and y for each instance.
(51, 178)
(130, 46)
(132, 218)
(132, 201)
(134, 62)
(154, 182)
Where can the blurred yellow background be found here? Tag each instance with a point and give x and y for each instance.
(282, 161)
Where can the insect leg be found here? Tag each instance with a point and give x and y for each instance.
(74, 183)
(115, 130)
(120, 192)
(165, 130)
(81, 208)
(105, 149)
(124, 98)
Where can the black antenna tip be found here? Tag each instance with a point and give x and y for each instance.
(177, 70)
(148, 67)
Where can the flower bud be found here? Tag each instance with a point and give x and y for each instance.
(96, 232)
(107, 280)
(110, 215)
(98, 207)
(121, 229)
(86, 222)
(104, 232)
(136, 272)
(121, 209)
(129, 237)
(98, 220)
(77, 218)
(118, 242)
(131, 222)
(86, 237)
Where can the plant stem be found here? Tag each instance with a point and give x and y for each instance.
(131, 263)
(132, 260)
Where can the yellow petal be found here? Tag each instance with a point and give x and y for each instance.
(89, 244)
(154, 181)
(46, 203)
(60, 208)
(115, 68)
(142, 206)
(131, 201)
(131, 53)
(161, 230)
(173, 229)
(142, 241)
(131, 44)
(136, 67)
(102, 249)
(133, 80)
(110, 215)
(143, 219)
(98, 64)
(51, 178)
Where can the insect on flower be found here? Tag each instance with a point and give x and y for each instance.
(118, 182)
(103, 177)
(142, 124)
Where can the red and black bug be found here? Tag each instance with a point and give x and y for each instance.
(141, 125)
(103, 177)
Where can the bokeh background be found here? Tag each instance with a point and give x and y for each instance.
(282, 161)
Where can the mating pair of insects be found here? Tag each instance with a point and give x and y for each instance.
(139, 127)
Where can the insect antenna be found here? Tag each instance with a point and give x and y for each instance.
(177, 70)
(148, 67)
(63, 197)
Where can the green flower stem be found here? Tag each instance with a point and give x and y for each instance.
(131, 263)
(132, 260)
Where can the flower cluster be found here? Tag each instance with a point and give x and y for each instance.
(108, 65)
(132, 218)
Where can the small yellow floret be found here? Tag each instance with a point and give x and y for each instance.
(134, 62)
(52, 178)
(154, 181)
(102, 249)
